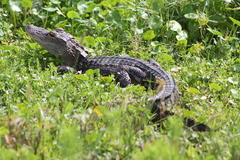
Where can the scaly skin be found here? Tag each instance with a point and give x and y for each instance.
(128, 70)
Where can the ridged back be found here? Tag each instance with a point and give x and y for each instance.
(151, 70)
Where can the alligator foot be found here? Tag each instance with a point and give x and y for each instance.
(196, 126)
(162, 114)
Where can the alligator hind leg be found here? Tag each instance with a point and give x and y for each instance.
(162, 113)
(201, 127)
(123, 78)
(121, 75)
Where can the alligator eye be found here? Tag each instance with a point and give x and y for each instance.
(51, 34)
(59, 30)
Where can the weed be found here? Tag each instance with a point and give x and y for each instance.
(47, 115)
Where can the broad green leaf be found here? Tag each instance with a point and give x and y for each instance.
(50, 9)
(92, 7)
(235, 21)
(182, 43)
(169, 33)
(4, 1)
(144, 15)
(82, 8)
(138, 30)
(26, 3)
(196, 48)
(157, 5)
(191, 16)
(237, 61)
(4, 131)
(132, 19)
(59, 91)
(90, 72)
(235, 93)
(69, 106)
(56, 1)
(182, 35)
(105, 80)
(85, 93)
(228, 38)
(116, 16)
(215, 86)
(133, 107)
(1, 32)
(72, 14)
(203, 21)
(109, 3)
(121, 25)
(188, 113)
(6, 47)
(236, 68)
(167, 57)
(81, 77)
(201, 119)
(193, 90)
(89, 40)
(233, 80)
(148, 35)
(174, 25)
(14, 5)
(101, 39)
(215, 32)
(155, 22)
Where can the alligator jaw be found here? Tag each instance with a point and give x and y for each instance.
(53, 41)
(57, 42)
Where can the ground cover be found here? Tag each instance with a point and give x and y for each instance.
(47, 115)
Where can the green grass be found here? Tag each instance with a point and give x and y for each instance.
(47, 115)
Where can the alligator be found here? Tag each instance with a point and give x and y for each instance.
(127, 70)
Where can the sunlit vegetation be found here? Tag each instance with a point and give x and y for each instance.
(47, 115)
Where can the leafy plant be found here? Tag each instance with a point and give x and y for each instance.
(47, 115)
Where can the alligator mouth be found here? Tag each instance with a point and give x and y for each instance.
(33, 30)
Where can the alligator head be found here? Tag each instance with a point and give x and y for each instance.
(58, 43)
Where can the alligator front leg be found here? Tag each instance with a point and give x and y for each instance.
(125, 74)
(64, 69)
